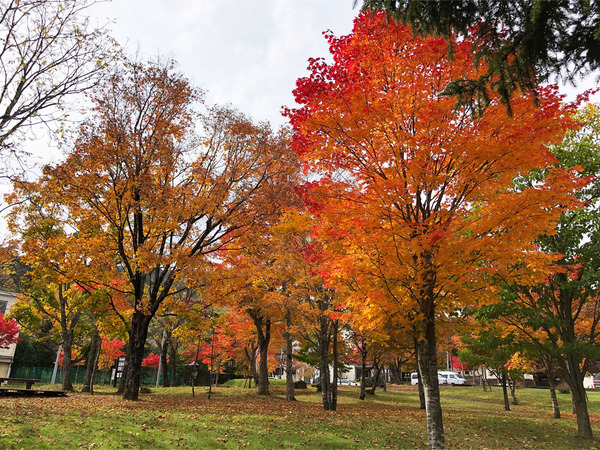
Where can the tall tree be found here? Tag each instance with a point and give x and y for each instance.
(151, 199)
(49, 51)
(521, 43)
(561, 316)
(415, 197)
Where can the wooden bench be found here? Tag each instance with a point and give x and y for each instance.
(20, 392)
(28, 381)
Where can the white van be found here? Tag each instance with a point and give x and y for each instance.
(452, 378)
(414, 378)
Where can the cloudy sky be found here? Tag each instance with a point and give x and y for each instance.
(245, 52)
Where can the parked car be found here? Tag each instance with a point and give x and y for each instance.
(452, 378)
(596, 381)
(414, 378)
(344, 382)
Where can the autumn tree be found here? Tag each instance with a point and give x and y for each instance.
(151, 199)
(418, 198)
(9, 331)
(49, 52)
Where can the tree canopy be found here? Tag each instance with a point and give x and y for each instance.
(520, 43)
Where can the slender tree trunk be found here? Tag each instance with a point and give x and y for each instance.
(377, 368)
(505, 392)
(579, 397)
(67, 332)
(264, 337)
(67, 385)
(324, 362)
(164, 351)
(428, 367)
(335, 356)
(137, 342)
(92, 362)
(513, 387)
(552, 383)
(173, 356)
(363, 370)
(251, 357)
(419, 377)
(289, 338)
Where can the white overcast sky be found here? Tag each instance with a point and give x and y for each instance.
(248, 53)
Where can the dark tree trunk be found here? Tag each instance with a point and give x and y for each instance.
(419, 377)
(173, 357)
(363, 370)
(137, 342)
(164, 362)
(92, 362)
(324, 361)
(264, 337)
(251, 357)
(335, 356)
(505, 392)
(552, 382)
(377, 368)
(67, 385)
(427, 352)
(579, 397)
(67, 332)
(289, 340)
(513, 387)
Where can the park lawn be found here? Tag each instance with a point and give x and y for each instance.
(239, 418)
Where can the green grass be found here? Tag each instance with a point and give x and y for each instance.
(239, 418)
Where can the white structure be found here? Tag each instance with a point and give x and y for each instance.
(7, 299)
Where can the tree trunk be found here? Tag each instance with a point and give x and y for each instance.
(251, 358)
(513, 387)
(67, 331)
(164, 362)
(505, 392)
(579, 397)
(552, 382)
(428, 368)
(375, 378)
(137, 342)
(324, 362)
(419, 377)
(92, 362)
(335, 356)
(264, 337)
(67, 385)
(173, 356)
(363, 369)
(289, 338)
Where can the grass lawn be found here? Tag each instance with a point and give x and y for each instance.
(238, 418)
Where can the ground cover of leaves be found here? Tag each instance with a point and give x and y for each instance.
(239, 418)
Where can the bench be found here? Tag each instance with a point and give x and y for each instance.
(20, 392)
(28, 381)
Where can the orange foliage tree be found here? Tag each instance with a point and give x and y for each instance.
(414, 197)
(152, 199)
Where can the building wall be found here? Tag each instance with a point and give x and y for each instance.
(7, 299)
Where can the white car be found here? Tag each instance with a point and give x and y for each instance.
(452, 378)
(414, 378)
